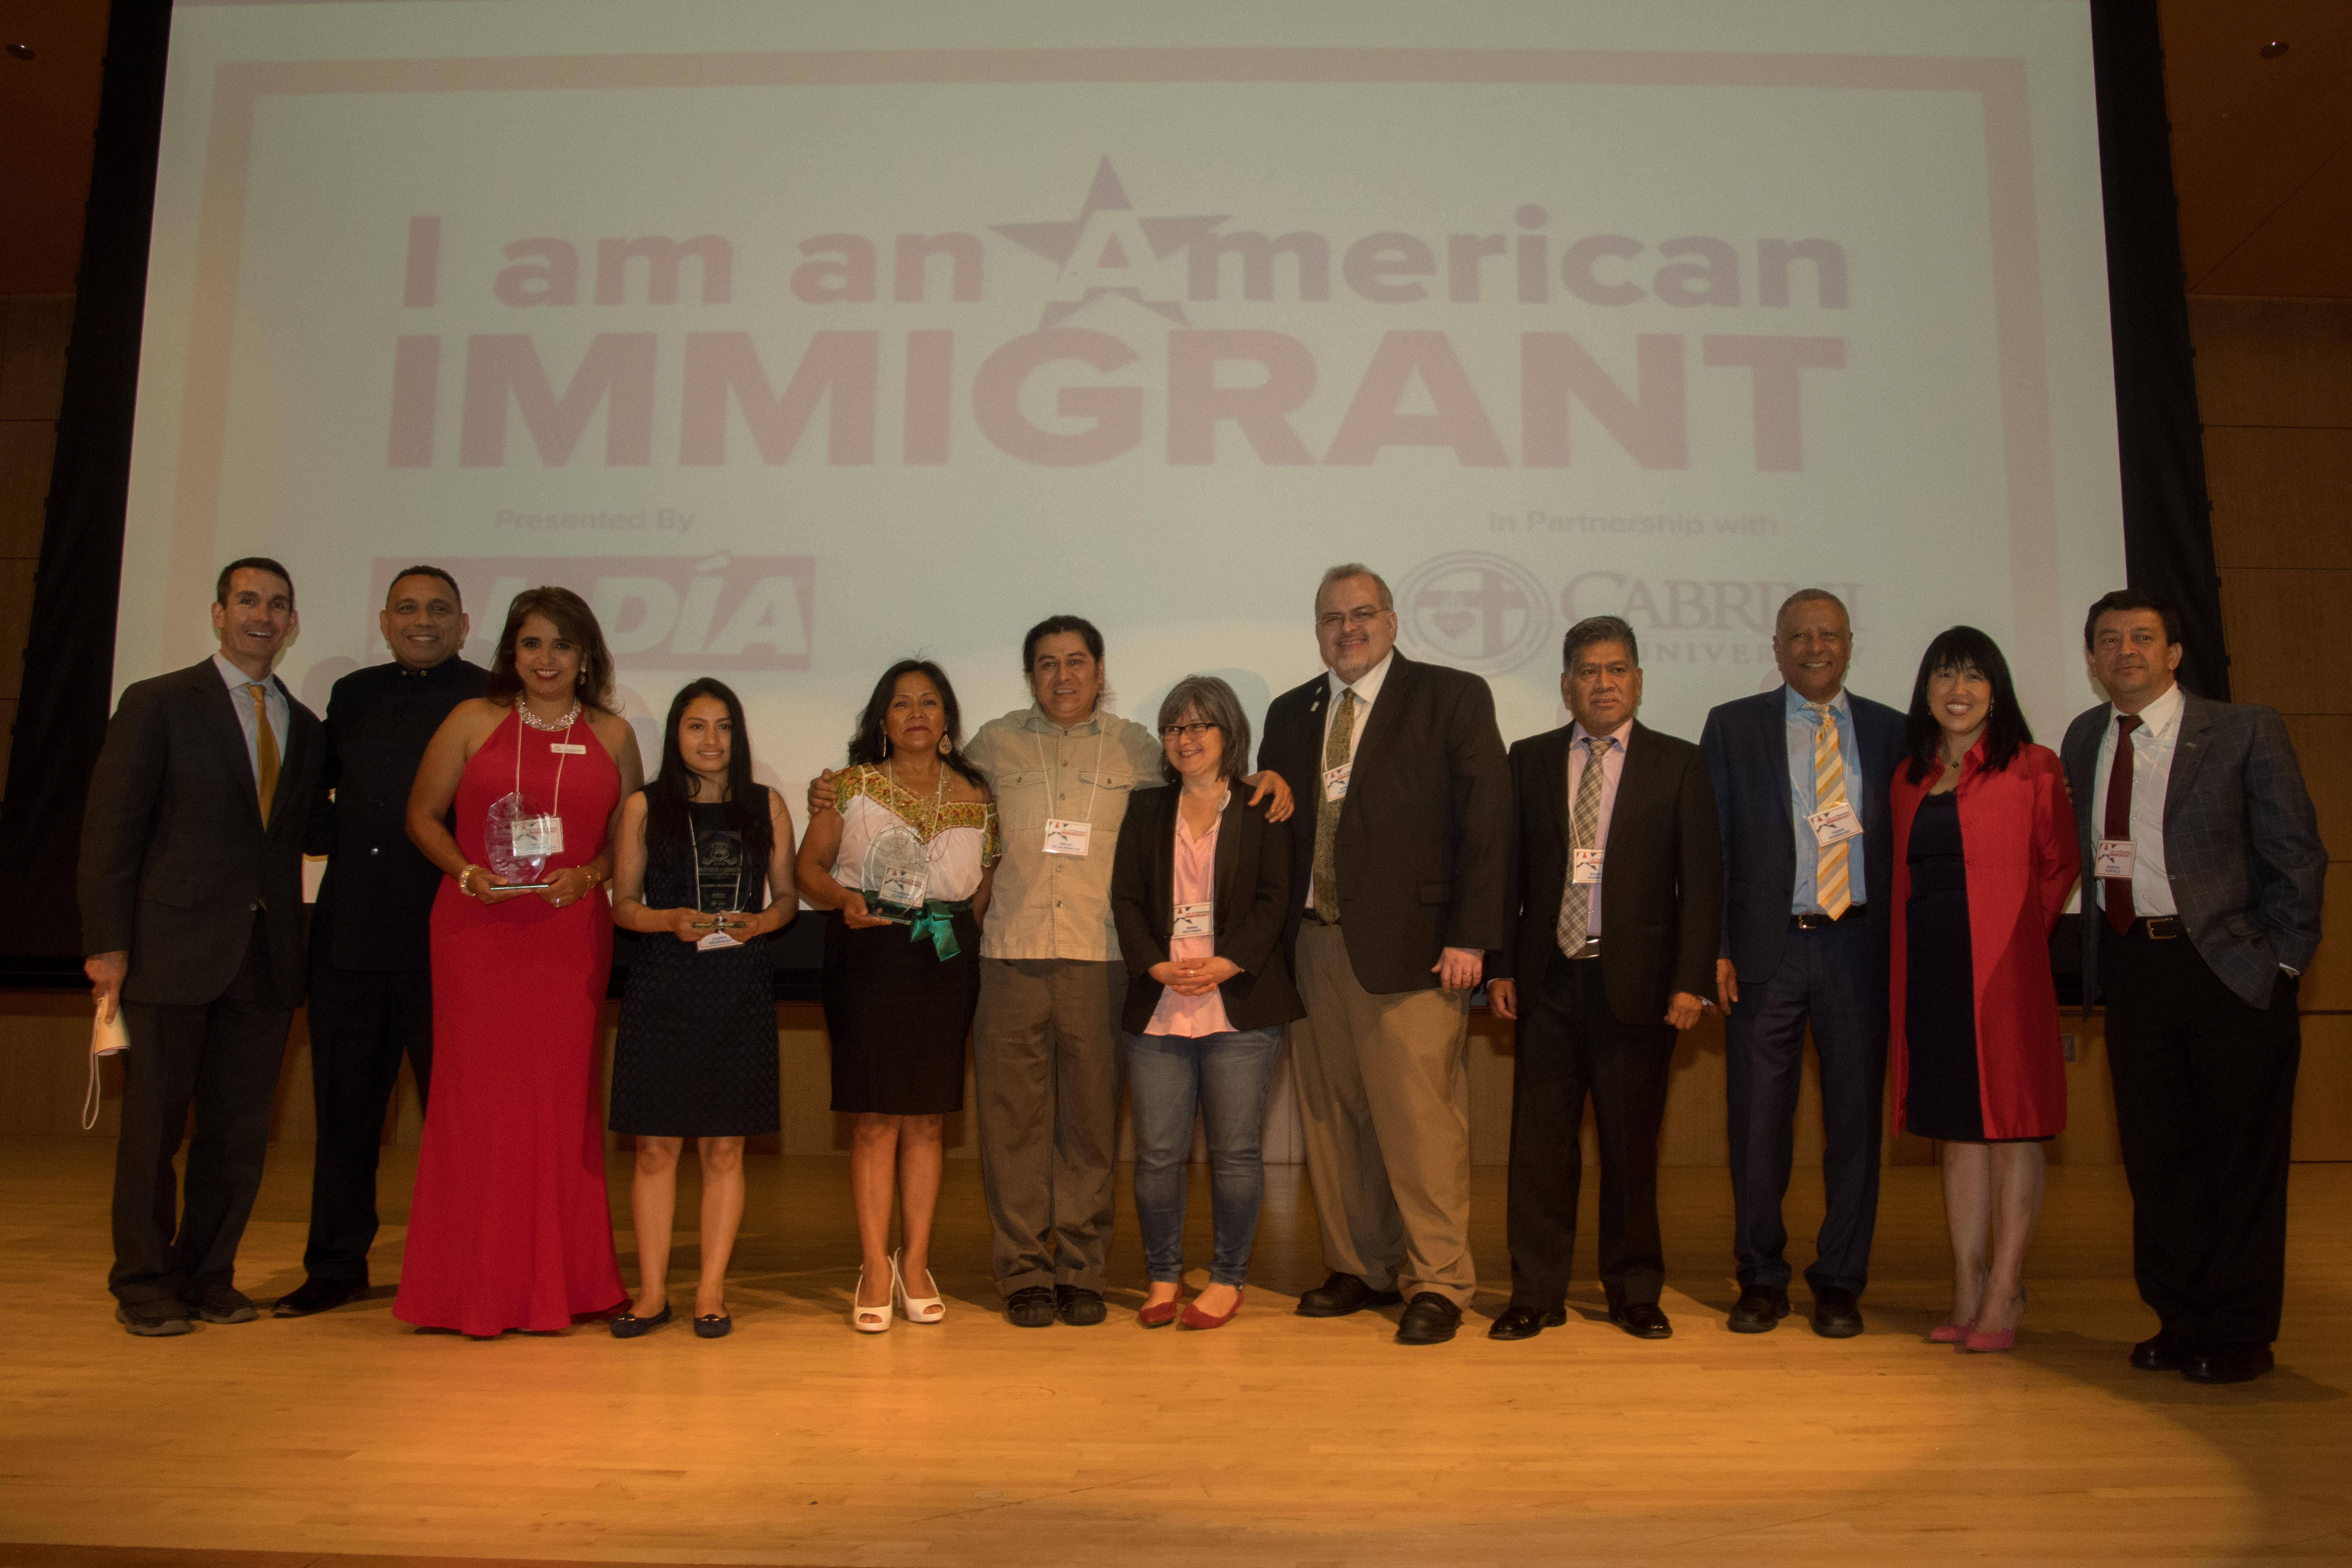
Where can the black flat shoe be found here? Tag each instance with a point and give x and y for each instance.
(1031, 1307)
(1518, 1322)
(2165, 1353)
(628, 1325)
(1429, 1320)
(1078, 1307)
(1643, 1319)
(1343, 1294)
(2227, 1363)
(1837, 1313)
(713, 1326)
(1758, 1310)
(315, 1295)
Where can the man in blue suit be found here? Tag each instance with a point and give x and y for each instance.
(1800, 774)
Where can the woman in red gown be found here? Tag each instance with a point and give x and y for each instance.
(509, 1228)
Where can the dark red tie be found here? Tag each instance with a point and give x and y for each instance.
(2120, 780)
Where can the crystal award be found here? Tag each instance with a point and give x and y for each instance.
(897, 873)
(519, 838)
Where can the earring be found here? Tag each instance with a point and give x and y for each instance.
(946, 745)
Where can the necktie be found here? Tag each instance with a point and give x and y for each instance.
(2117, 890)
(1584, 823)
(1336, 746)
(264, 749)
(1830, 886)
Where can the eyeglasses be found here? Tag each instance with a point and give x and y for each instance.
(1185, 731)
(1361, 615)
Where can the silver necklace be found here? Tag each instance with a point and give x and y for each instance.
(522, 711)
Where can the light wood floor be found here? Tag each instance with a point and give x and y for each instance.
(1277, 1440)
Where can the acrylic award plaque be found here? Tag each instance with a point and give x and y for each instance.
(519, 838)
(897, 873)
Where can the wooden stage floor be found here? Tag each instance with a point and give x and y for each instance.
(1276, 1441)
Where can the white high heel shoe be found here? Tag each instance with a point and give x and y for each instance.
(917, 1308)
(868, 1320)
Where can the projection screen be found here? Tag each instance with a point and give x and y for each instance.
(801, 337)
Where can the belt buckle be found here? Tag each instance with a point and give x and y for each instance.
(2164, 927)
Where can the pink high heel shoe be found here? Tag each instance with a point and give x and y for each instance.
(1950, 1334)
(2005, 1340)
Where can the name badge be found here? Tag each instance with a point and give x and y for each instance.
(1335, 782)
(1587, 867)
(561, 749)
(716, 940)
(2114, 858)
(1067, 838)
(1194, 919)
(1834, 826)
(538, 836)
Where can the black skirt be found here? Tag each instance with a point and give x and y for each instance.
(899, 1015)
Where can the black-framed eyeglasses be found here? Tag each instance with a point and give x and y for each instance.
(1185, 731)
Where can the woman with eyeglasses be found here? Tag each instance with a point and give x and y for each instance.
(1199, 890)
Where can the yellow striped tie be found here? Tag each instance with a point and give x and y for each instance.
(1830, 885)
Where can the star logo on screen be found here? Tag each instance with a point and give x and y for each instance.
(1107, 251)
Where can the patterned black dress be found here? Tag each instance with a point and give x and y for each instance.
(697, 1052)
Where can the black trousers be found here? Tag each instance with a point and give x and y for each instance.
(1571, 1045)
(361, 1023)
(221, 1057)
(2205, 1109)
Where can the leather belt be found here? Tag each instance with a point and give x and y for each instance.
(1591, 949)
(1319, 920)
(2158, 928)
(1816, 920)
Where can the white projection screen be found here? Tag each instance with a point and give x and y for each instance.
(802, 337)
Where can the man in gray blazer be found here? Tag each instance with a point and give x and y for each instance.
(2201, 872)
(191, 886)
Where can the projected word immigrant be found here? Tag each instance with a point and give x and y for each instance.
(1412, 388)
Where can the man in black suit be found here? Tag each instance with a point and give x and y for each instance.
(1619, 886)
(370, 966)
(1805, 927)
(1401, 893)
(191, 885)
(2201, 879)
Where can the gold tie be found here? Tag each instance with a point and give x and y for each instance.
(1336, 746)
(264, 749)
(1830, 885)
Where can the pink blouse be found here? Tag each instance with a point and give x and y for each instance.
(1196, 883)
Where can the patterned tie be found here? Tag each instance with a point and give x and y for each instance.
(1583, 823)
(1336, 746)
(2116, 892)
(264, 749)
(1830, 886)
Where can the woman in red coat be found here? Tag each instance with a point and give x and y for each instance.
(1989, 856)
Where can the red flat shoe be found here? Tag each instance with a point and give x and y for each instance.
(1196, 1319)
(1160, 1314)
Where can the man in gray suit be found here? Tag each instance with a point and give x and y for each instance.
(191, 885)
(2201, 870)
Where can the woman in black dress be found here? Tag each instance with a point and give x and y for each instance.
(900, 991)
(703, 856)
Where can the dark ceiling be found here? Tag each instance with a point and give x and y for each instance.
(2261, 146)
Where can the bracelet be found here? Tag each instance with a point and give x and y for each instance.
(465, 880)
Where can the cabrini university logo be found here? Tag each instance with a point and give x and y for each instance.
(1474, 611)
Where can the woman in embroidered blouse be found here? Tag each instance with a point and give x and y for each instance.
(901, 981)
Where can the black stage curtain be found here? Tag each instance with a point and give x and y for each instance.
(68, 665)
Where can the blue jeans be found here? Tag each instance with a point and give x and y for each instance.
(1227, 1076)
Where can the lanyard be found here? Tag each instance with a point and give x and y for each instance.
(522, 729)
(1052, 770)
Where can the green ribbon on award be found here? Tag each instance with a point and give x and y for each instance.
(935, 923)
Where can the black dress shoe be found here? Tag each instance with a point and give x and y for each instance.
(223, 1304)
(713, 1326)
(1643, 1319)
(318, 1296)
(2227, 1363)
(2165, 1353)
(1837, 1315)
(1342, 1294)
(1519, 1322)
(1077, 1306)
(1429, 1320)
(1031, 1307)
(154, 1320)
(629, 1326)
(1758, 1309)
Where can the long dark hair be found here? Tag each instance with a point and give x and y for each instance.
(667, 820)
(2006, 730)
(576, 624)
(871, 743)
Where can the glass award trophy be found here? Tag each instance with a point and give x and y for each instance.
(519, 838)
(897, 872)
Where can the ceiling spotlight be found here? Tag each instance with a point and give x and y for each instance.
(2275, 48)
(22, 51)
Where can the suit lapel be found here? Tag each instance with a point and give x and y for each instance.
(1632, 783)
(1381, 724)
(1229, 850)
(2188, 755)
(1776, 748)
(289, 746)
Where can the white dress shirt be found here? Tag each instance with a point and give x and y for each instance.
(1613, 768)
(273, 699)
(2152, 745)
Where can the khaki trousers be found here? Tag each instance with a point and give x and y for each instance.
(1044, 1047)
(1383, 1094)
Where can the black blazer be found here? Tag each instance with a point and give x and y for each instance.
(175, 859)
(1747, 746)
(1253, 899)
(1424, 845)
(1661, 872)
